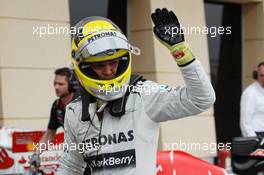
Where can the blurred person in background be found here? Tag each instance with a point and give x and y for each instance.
(66, 89)
(252, 105)
(65, 86)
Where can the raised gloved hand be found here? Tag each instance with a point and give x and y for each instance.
(167, 30)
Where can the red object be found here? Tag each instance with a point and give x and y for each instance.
(22, 160)
(59, 138)
(5, 160)
(21, 140)
(258, 152)
(179, 54)
(181, 163)
(222, 156)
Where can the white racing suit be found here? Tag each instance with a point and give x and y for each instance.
(127, 145)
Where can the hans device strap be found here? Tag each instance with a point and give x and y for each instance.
(117, 107)
(86, 100)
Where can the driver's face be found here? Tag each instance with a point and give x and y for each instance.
(105, 70)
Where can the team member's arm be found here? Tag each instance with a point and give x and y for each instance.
(48, 136)
(198, 94)
(53, 124)
(247, 107)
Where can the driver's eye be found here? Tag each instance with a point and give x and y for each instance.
(113, 62)
(97, 66)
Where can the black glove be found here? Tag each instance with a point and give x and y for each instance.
(167, 27)
(168, 31)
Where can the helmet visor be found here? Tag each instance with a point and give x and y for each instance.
(100, 43)
(118, 66)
